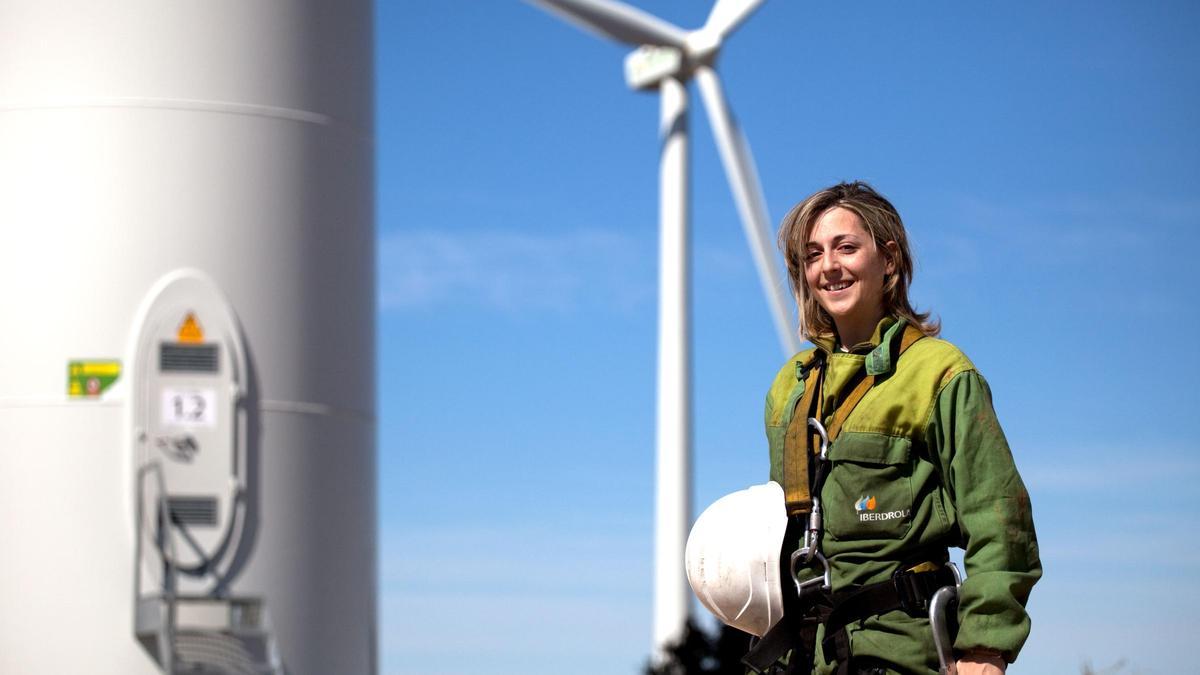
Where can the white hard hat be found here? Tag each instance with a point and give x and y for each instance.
(732, 557)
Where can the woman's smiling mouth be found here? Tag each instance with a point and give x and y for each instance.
(841, 285)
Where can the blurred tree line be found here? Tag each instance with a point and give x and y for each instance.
(703, 653)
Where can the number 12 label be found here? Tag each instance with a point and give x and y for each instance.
(189, 407)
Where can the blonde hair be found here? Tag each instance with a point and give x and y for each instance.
(883, 223)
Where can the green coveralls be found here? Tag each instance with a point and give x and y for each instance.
(921, 464)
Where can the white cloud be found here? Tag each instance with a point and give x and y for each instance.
(515, 271)
(1110, 255)
(1069, 231)
(1065, 229)
(1156, 466)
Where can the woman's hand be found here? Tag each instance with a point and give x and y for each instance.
(981, 663)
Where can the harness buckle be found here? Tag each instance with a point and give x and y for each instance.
(914, 590)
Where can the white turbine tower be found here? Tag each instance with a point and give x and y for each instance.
(666, 58)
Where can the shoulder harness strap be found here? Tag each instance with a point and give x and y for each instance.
(796, 485)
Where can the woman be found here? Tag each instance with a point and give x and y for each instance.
(917, 463)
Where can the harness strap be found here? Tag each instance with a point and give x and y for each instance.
(780, 640)
(910, 589)
(797, 486)
(907, 590)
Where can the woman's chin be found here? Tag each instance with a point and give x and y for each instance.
(843, 310)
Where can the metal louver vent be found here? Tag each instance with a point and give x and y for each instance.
(187, 358)
(193, 510)
(207, 653)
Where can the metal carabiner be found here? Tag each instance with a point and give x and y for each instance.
(944, 601)
(820, 429)
(807, 555)
(956, 573)
(812, 535)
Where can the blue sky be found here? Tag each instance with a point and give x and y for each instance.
(1045, 159)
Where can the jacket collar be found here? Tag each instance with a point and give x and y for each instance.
(879, 348)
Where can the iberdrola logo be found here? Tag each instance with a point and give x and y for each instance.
(865, 506)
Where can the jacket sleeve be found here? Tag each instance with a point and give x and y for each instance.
(993, 513)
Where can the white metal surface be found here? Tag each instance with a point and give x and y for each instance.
(673, 482)
(140, 137)
(617, 21)
(727, 15)
(648, 65)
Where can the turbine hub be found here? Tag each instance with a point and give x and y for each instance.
(702, 45)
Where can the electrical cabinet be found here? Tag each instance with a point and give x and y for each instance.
(189, 418)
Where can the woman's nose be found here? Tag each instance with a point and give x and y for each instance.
(829, 262)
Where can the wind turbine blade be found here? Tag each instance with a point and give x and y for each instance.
(747, 192)
(616, 20)
(726, 15)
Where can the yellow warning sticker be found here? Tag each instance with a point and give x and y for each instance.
(89, 378)
(190, 330)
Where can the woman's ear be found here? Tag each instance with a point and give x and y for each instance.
(892, 254)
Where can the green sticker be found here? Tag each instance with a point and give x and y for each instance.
(89, 379)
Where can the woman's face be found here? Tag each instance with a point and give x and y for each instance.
(845, 270)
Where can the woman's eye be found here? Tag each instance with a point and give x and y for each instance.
(847, 248)
(812, 255)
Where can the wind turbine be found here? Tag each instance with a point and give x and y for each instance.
(665, 59)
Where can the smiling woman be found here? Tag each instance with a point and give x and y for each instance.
(888, 450)
(841, 235)
(845, 270)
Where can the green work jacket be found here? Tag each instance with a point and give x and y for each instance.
(921, 464)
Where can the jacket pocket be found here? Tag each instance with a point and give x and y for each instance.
(868, 494)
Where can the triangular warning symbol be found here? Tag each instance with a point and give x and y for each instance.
(190, 330)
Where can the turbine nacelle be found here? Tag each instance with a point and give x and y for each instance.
(647, 66)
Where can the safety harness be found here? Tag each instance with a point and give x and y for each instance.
(805, 467)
